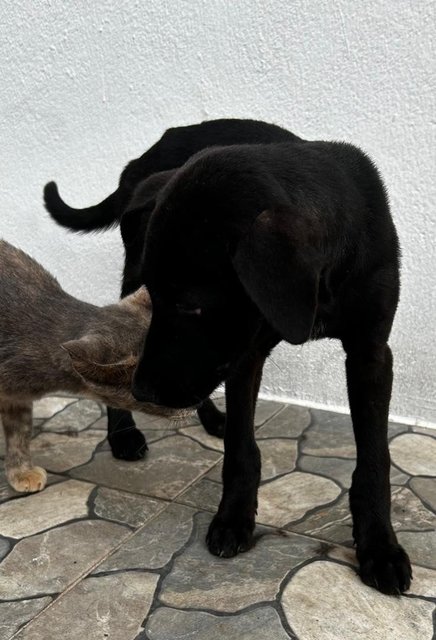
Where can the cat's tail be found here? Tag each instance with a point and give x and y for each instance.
(101, 216)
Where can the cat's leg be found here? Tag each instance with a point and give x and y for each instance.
(17, 425)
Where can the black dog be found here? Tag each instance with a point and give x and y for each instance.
(248, 246)
(131, 205)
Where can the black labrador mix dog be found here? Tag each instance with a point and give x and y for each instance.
(131, 205)
(251, 245)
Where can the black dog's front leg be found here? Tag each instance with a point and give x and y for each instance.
(125, 439)
(231, 530)
(383, 562)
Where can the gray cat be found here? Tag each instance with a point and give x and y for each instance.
(50, 341)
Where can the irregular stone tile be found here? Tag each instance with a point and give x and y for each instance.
(257, 624)
(6, 491)
(290, 422)
(203, 494)
(60, 452)
(171, 465)
(332, 523)
(202, 581)
(344, 554)
(330, 434)
(266, 409)
(216, 473)
(38, 511)
(97, 608)
(338, 469)
(199, 434)
(414, 454)
(421, 547)
(291, 496)
(341, 606)
(50, 561)
(75, 417)
(424, 582)
(425, 431)
(48, 406)
(425, 488)
(155, 544)
(408, 512)
(14, 614)
(4, 548)
(127, 508)
(394, 429)
(397, 476)
(278, 456)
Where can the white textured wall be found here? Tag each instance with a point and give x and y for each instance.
(85, 86)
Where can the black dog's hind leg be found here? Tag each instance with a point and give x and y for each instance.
(231, 530)
(383, 562)
(212, 419)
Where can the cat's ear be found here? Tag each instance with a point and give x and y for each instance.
(88, 362)
(140, 298)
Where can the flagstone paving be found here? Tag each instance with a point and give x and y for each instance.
(115, 549)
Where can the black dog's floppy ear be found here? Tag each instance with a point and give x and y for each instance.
(277, 262)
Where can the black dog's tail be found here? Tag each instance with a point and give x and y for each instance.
(100, 216)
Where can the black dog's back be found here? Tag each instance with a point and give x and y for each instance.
(175, 147)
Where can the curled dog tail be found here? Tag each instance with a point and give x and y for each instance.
(100, 216)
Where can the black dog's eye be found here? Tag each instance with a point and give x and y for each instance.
(191, 311)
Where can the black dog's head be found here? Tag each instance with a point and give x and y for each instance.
(220, 267)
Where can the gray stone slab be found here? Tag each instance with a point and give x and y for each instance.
(425, 488)
(290, 497)
(200, 580)
(4, 548)
(198, 433)
(59, 452)
(338, 469)
(265, 409)
(50, 405)
(290, 422)
(168, 468)
(278, 456)
(127, 508)
(154, 545)
(106, 607)
(14, 615)
(38, 511)
(414, 454)
(332, 523)
(203, 494)
(48, 562)
(75, 417)
(409, 513)
(421, 547)
(327, 601)
(259, 624)
(330, 434)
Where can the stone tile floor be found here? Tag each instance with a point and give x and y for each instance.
(116, 550)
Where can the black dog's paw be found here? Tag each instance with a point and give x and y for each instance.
(212, 419)
(226, 539)
(128, 445)
(386, 568)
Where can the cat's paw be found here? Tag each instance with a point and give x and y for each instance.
(28, 481)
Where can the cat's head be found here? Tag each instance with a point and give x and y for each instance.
(106, 357)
